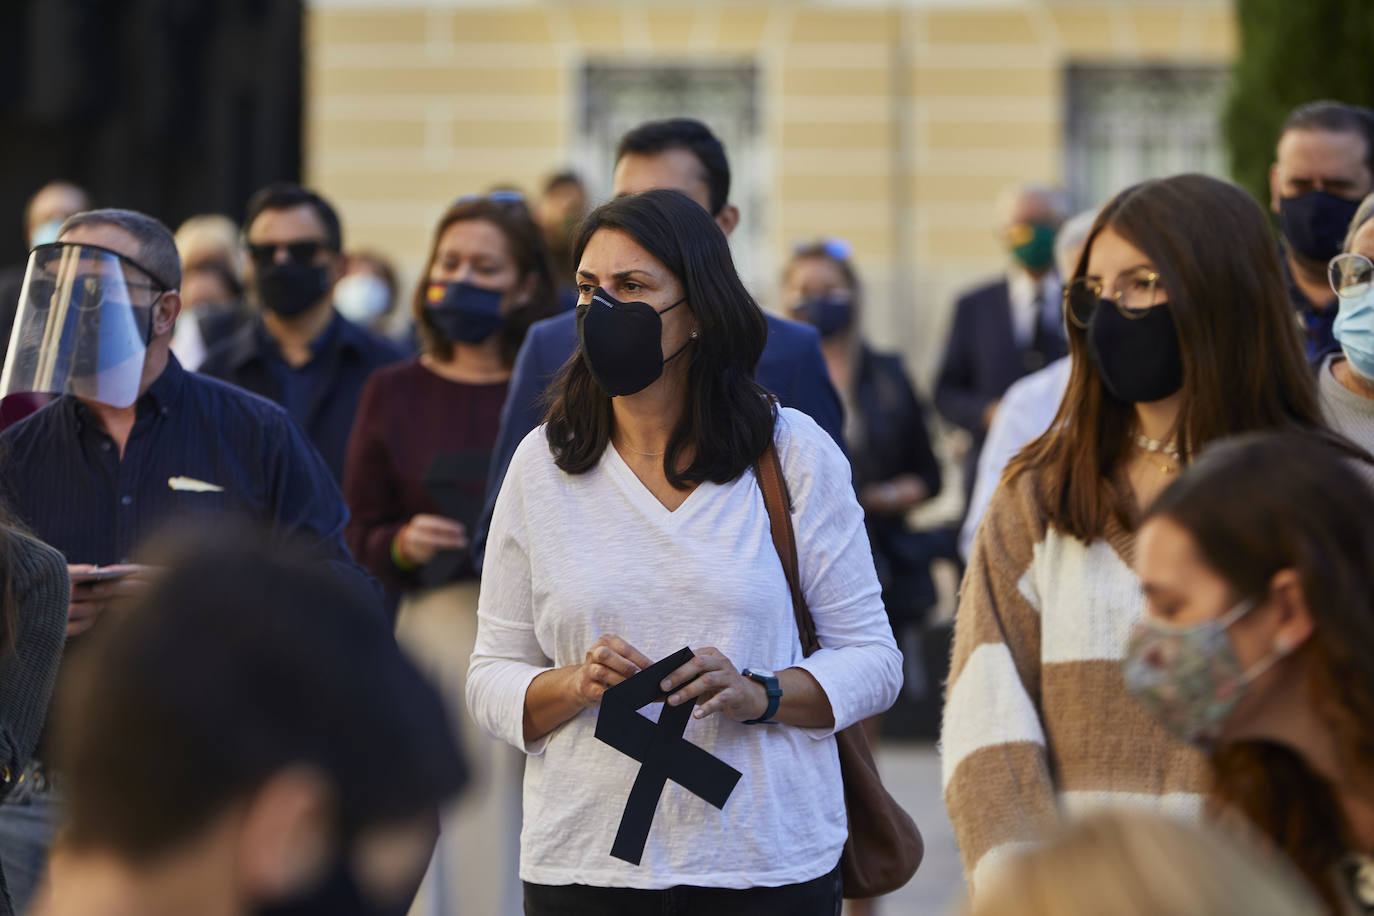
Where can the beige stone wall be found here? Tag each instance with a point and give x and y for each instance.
(892, 125)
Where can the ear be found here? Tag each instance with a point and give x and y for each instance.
(288, 837)
(1295, 620)
(1274, 188)
(165, 312)
(727, 219)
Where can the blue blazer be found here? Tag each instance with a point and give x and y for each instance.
(791, 367)
(981, 360)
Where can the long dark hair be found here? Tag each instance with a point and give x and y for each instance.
(1243, 362)
(527, 249)
(1256, 505)
(729, 417)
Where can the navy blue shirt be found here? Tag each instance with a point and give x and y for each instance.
(200, 453)
(1318, 323)
(322, 395)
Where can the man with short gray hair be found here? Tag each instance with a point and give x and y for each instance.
(134, 445)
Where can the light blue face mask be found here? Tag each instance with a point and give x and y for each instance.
(1355, 331)
(46, 234)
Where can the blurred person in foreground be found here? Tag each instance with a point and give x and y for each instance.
(415, 478)
(1258, 646)
(895, 469)
(1323, 167)
(1038, 726)
(247, 740)
(1128, 863)
(134, 445)
(211, 250)
(679, 154)
(633, 525)
(1031, 401)
(33, 618)
(1010, 327)
(300, 352)
(1346, 377)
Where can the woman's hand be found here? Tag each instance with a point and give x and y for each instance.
(425, 535)
(716, 682)
(610, 661)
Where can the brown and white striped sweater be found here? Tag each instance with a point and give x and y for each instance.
(1037, 722)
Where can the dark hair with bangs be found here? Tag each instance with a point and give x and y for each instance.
(527, 249)
(1243, 362)
(1256, 505)
(729, 416)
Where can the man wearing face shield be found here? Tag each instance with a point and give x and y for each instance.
(300, 352)
(134, 445)
(1323, 167)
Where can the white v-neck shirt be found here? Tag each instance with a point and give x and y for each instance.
(573, 557)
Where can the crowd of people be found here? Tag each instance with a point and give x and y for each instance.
(322, 595)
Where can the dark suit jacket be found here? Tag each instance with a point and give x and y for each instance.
(982, 359)
(246, 359)
(791, 367)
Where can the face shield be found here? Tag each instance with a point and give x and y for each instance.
(83, 325)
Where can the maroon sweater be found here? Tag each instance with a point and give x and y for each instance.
(407, 418)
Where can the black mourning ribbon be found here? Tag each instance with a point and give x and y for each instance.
(661, 750)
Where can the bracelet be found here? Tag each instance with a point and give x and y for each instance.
(397, 557)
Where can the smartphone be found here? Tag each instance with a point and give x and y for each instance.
(99, 575)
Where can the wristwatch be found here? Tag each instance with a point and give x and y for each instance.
(769, 680)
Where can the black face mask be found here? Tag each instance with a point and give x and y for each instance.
(465, 313)
(1315, 223)
(1139, 359)
(622, 342)
(290, 289)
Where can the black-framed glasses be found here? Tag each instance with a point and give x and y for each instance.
(1350, 275)
(1137, 291)
(297, 252)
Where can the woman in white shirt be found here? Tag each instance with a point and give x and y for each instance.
(631, 525)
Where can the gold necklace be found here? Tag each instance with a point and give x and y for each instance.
(638, 452)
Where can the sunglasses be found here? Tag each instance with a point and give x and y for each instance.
(296, 252)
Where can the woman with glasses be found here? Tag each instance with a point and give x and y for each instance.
(1179, 334)
(895, 469)
(1346, 378)
(414, 481)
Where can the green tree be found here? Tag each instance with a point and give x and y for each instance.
(1292, 51)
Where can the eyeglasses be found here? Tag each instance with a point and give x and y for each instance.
(836, 248)
(296, 252)
(1137, 291)
(1350, 275)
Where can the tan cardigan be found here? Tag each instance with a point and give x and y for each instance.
(1037, 722)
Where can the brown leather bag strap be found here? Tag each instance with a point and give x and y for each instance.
(778, 501)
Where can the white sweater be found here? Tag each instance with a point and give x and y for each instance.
(573, 557)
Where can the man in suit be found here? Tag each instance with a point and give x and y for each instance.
(1009, 327)
(681, 154)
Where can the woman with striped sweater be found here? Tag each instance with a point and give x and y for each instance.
(1180, 333)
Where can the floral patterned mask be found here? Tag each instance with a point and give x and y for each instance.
(1189, 676)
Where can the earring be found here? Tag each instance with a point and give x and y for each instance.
(696, 334)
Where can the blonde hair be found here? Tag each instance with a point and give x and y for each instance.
(1137, 864)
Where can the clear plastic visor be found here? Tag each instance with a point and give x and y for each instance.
(83, 325)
